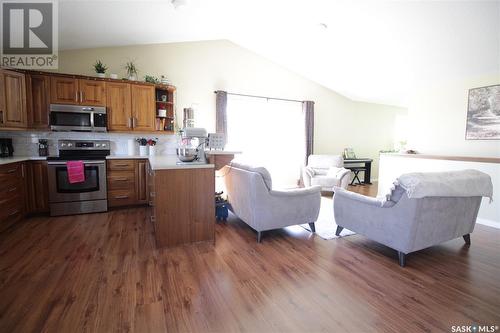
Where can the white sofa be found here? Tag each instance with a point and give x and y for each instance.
(252, 198)
(326, 171)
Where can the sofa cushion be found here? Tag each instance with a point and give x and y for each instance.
(325, 161)
(258, 169)
(325, 181)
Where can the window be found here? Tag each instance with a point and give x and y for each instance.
(270, 133)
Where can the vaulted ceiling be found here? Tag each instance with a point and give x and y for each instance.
(373, 51)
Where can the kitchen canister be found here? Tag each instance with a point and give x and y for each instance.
(131, 147)
(152, 150)
(143, 150)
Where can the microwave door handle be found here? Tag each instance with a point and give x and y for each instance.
(84, 162)
(92, 118)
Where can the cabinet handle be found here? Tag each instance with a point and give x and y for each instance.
(152, 218)
(1, 117)
(152, 194)
(11, 171)
(76, 96)
(12, 189)
(134, 122)
(121, 197)
(129, 122)
(3, 201)
(121, 179)
(122, 165)
(81, 96)
(14, 212)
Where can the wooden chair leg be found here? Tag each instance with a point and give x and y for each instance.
(402, 259)
(339, 230)
(259, 236)
(467, 239)
(312, 226)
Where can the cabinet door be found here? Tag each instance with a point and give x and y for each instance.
(143, 107)
(142, 182)
(64, 90)
(38, 97)
(37, 187)
(92, 92)
(14, 104)
(119, 106)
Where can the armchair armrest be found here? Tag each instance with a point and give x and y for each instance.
(296, 192)
(341, 193)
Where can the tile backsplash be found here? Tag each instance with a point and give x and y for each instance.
(26, 143)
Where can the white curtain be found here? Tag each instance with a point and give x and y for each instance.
(270, 133)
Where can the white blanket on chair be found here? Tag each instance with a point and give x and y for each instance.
(464, 183)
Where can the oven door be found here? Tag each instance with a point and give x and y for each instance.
(93, 188)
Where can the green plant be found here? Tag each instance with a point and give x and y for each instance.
(100, 67)
(131, 68)
(151, 79)
(142, 141)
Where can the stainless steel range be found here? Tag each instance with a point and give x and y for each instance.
(89, 196)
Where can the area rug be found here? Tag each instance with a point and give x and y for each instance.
(325, 225)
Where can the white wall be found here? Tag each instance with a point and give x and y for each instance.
(437, 117)
(199, 68)
(392, 166)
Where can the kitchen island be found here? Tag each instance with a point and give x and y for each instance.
(182, 201)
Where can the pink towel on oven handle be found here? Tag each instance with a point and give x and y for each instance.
(76, 171)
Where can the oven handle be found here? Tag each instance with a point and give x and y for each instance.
(84, 162)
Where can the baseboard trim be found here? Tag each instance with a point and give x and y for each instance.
(489, 223)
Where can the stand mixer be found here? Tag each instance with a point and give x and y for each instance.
(192, 147)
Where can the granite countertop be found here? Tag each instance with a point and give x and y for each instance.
(222, 152)
(163, 162)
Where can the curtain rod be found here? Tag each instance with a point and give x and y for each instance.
(275, 98)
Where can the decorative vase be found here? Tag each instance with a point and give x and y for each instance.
(102, 75)
(152, 150)
(132, 77)
(113, 76)
(143, 150)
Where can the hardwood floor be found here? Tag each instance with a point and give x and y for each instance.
(102, 273)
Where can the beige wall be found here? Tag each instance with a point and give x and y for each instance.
(199, 68)
(437, 119)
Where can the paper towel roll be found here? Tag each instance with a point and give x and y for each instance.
(131, 147)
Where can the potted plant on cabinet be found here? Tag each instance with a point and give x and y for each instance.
(100, 68)
(152, 146)
(131, 70)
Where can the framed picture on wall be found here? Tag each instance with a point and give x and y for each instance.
(483, 113)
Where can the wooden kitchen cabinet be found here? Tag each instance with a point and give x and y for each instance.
(143, 107)
(92, 92)
(37, 194)
(119, 103)
(13, 99)
(12, 207)
(64, 90)
(38, 100)
(184, 208)
(127, 182)
(68, 90)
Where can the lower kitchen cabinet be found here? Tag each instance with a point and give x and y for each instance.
(183, 206)
(37, 193)
(127, 182)
(12, 204)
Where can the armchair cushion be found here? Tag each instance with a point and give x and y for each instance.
(266, 176)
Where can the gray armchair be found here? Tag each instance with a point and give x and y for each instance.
(408, 223)
(326, 171)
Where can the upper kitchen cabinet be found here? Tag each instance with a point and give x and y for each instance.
(38, 100)
(143, 107)
(64, 90)
(119, 103)
(92, 92)
(67, 90)
(12, 99)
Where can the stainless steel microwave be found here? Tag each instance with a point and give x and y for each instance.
(77, 118)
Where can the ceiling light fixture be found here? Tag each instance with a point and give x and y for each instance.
(323, 25)
(179, 3)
